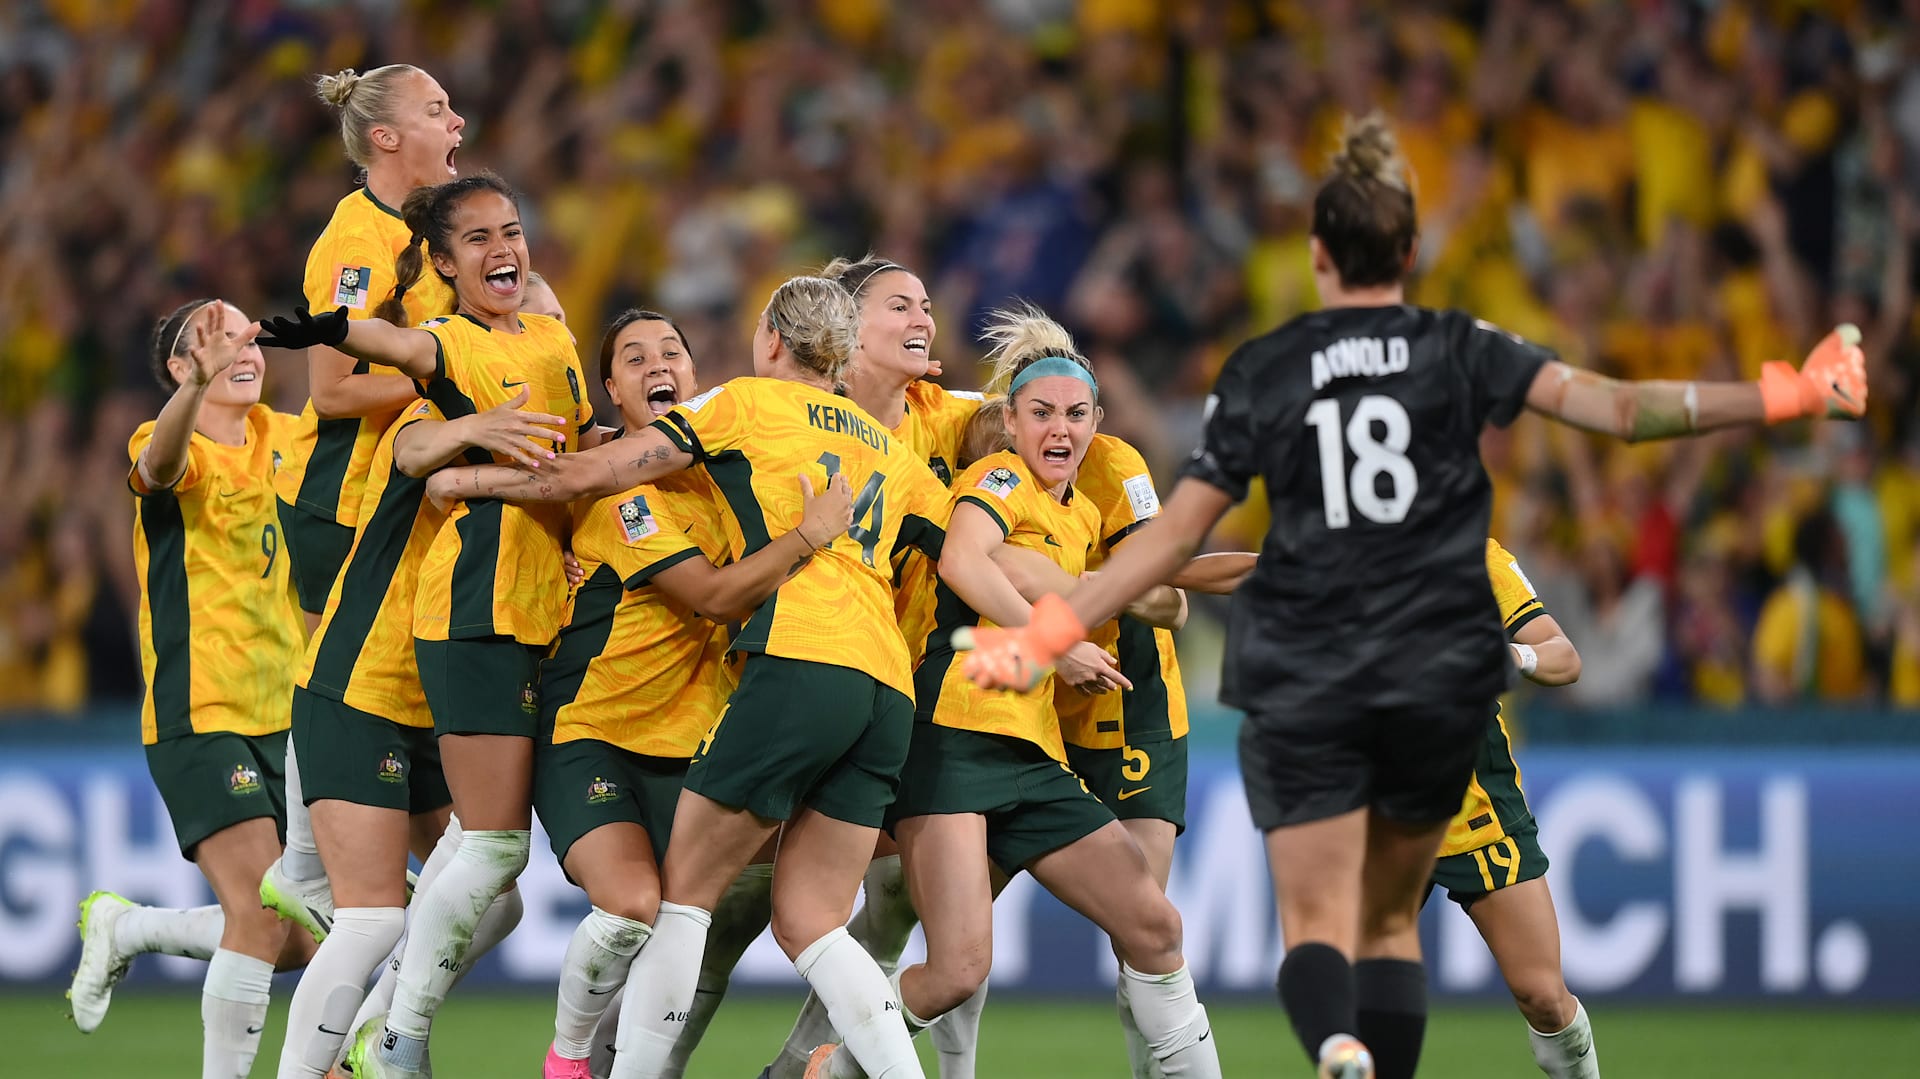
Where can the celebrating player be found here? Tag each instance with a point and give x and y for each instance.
(399, 127)
(806, 738)
(219, 634)
(1364, 646)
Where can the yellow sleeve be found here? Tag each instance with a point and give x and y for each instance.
(1519, 604)
(711, 423)
(352, 271)
(451, 339)
(142, 438)
(652, 537)
(1134, 503)
(994, 490)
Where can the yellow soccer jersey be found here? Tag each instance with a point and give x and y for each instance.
(362, 654)
(351, 265)
(219, 630)
(935, 426)
(495, 570)
(1494, 805)
(633, 668)
(1029, 518)
(1114, 477)
(756, 436)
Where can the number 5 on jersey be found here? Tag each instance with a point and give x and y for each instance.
(1373, 457)
(871, 500)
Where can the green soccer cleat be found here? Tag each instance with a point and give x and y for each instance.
(306, 903)
(363, 1058)
(101, 964)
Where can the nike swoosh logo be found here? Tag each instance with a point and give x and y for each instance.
(229, 494)
(505, 385)
(1051, 542)
(332, 1033)
(598, 992)
(1124, 795)
(255, 1030)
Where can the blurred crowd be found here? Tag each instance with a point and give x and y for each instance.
(1656, 189)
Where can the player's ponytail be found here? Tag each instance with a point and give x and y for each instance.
(818, 321)
(428, 213)
(170, 340)
(1363, 213)
(365, 101)
(1021, 337)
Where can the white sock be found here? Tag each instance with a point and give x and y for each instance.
(1172, 1021)
(660, 988)
(881, 926)
(301, 859)
(742, 915)
(600, 1061)
(602, 948)
(1570, 1054)
(233, 1012)
(956, 1035)
(193, 931)
(1139, 1053)
(502, 918)
(379, 1000)
(445, 920)
(863, 1006)
(321, 1015)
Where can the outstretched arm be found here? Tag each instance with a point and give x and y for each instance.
(606, 469)
(415, 352)
(1215, 574)
(217, 339)
(1034, 575)
(503, 429)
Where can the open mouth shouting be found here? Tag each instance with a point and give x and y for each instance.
(504, 280)
(452, 169)
(662, 396)
(1058, 455)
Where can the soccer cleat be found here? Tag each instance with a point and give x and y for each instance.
(817, 1063)
(1343, 1057)
(306, 903)
(559, 1067)
(363, 1059)
(101, 964)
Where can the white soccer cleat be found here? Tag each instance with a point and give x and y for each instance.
(1342, 1056)
(306, 903)
(101, 964)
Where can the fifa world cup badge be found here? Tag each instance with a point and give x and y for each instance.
(351, 284)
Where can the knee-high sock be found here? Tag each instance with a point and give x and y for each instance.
(321, 1015)
(596, 963)
(881, 926)
(956, 1036)
(379, 999)
(742, 915)
(660, 989)
(1316, 987)
(1570, 1053)
(1139, 1054)
(864, 1007)
(193, 931)
(1170, 1017)
(301, 858)
(1390, 1001)
(233, 1012)
(445, 919)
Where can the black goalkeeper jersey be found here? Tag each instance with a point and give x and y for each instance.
(1371, 589)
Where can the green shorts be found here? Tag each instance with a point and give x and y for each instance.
(358, 757)
(1147, 781)
(316, 549)
(801, 733)
(1503, 863)
(211, 782)
(580, 785)
(485, 685)
(1033, 803)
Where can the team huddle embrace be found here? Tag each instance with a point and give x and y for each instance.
(720, 644)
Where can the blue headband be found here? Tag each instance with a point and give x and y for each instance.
(1050, 367)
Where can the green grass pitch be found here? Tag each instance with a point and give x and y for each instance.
(482, 1035)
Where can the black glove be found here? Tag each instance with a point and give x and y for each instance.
(304, 330)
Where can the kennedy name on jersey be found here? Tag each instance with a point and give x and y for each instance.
(1354, 357)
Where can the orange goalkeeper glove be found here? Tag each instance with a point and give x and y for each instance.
(1831, 383)
(1018, 659)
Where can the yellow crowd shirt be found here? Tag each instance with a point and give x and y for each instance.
(1115, 479)
(756, 436)
(219, 628)
(1066, 532)
(936, 427)
(494, 570)
(351, 266)
(633, 668)
(362, 654)
(1494, 807)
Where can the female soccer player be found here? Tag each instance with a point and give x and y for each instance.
(1491, 862)
(219, 635)
(640, 674)
(491, 592)
(1364, 646)
(398, 126)
(807, 738)
(986, 778)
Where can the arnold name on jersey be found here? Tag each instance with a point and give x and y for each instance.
(1352, 357)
